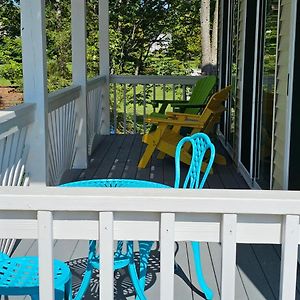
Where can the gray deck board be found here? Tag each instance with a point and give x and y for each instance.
(208, 270)
(130, 169)
(251, 273)
(97, 158)
(258, 266)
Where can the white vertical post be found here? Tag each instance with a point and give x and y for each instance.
(228, 238)
(167, 235)
(104, 62)
(107, 256)
(289, 255)
(79, 70)
(35, 86)
(45, 248)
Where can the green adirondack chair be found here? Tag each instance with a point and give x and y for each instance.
(200, 94)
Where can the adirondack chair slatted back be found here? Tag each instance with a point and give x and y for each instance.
(201, 91)
(214, 109)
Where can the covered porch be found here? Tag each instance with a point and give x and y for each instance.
(74, 134)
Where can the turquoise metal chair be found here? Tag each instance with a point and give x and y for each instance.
(19, 276)
(202, 149)
(121, 259)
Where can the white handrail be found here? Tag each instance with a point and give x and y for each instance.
(258, 202)
(95, 111)
(63, 96)
(168, 215)
(153, 79)
(95, 82)
(14, 118)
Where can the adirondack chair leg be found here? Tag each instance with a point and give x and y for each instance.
(220, 159)
(161, 155)
(151, 139)
(146, 156)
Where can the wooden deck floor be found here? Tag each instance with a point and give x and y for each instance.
(258, 266)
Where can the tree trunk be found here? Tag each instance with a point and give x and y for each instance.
(214, 42)
(205, 36)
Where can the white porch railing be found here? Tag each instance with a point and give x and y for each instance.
(13, 152)
(226, 216)
(14, 123)
(131, 96)
(95, 110)
(62, 127)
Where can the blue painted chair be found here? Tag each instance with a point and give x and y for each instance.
(202, 149)
(19, 276)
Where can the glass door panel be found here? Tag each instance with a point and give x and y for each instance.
(247, 96)
(267, 90)
(233, 74)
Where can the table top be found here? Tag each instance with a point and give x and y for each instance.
(130, 183)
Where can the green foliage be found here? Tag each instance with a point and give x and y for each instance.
(58, 30)
(92, 38)
(10, 19)
(132, 34)
(172, 25)
(11, 60)
(163, 65)
(10, 43)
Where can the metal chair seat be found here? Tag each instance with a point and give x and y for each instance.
(20, 276)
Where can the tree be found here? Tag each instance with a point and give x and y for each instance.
(9, 19)
(209, 32)
(10, 43)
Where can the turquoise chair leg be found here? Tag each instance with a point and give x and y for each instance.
(144, 248)
(68, 290)
(206, 290)
(135, 281)
(133, 273)
(84, 284)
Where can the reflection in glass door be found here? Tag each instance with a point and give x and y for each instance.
(233, 74)
(266, 94)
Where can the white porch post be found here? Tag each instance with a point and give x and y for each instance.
(35, 85)
(79, 71)
(104, 62)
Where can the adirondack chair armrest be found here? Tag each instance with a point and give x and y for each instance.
(156, 102)
(188, 105)
(172, 122)
(178, 114)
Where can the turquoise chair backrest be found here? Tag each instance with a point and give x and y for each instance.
(201, 147)
(201, 91)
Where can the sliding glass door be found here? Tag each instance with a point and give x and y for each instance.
(266, 90)
(258, 91)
